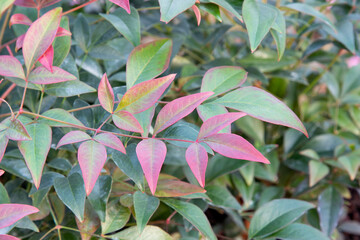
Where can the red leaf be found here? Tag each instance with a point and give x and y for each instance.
(151, 153)
(197, 158)
(25, 3)
(62, 32)
(10, 213)
(197, 14)
(47, 59)
(19, 18)
(126, 121)
(73, 137)
(92, 157)
(110, 140)
(178, 109)
(125, 4)
(11, 67)
(215, 124)
(234, 146)
(41, 75)
(106, 94)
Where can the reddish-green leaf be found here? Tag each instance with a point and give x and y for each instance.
(197, 158)
(11, 67)
(145, 94)
(8, 237)
(173, 187)
(19, 43)
(106, 94)
(215, 124)
(41, 75)
(110, 140)
(92, 157)
(47, 59)
(125, 4)
(126, 121)
(262, 105)
(16, 130)
(40, 35)
(4, 4)
(73, 137)
(234, 146)
(178, 109)
(151, 154)
(64, 118)
(25, 3)
(61, 32)
(10, 213)
(171, 8)
(3, 144)
(197, 14)
(19, 18)
(36, 150)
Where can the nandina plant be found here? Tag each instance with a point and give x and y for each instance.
(98, 117)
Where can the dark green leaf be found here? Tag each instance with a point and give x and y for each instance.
(145, 206)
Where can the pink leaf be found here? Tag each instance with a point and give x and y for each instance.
(92, 157)
(40, 35)
(10, 213)
(110, 140)
(145, 94)
(106, 94)
(19, 18)
(73, 137)
(1, 171)
(215, 124)
(47, 3)
(3, 144)
(125, 4)
(197, 14)
(197, 158)
(16, 130)
(11, 67)
(19, 42)
(25, 3)
(62, 32)
(151, 153)
(178, 109)
(126, 121)
(8, 237)
(234, 146)
(41, 75)
(47, 59)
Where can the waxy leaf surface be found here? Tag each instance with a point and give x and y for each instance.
(151, 153)
(41, 75)
(11, 67)
(126, 121)
(111, 141)
(178, 109)
(197, 158)
(73, 137)
(106, 94)
(10, 213)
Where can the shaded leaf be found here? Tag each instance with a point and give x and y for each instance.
(150, 232)
(351, 163)
(100, 194)
(111, 141)
(171, 8)
(318, 171)
(116, 217)
(221, 197)
(145, 206)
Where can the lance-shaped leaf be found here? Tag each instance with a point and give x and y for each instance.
(36, 150)
(172, 187)
(233, 7)
(100, 195)
(41, 75)
(8, 237)
(222, 79)
(215, 124)
(11, 67)
(47, 59)
(125, 4)
(4, 4)
(111, 141)
(178, 109)
(151, 153)
(234, 146)
(106, 94)
(25, 3)
(40, 35)
(145, 94)
(197, 14)
(171, 8)
(3, 144)
(262, 105)
(145, 206)
(317, 171)
(278, 31)
(10, 213)
(351, 163)
(92, 157)
(16, 130)
(19, 18)
(47, 3)
(197, 158)
(258, 18)
(126, 121)
(73, 137)
(148, 61)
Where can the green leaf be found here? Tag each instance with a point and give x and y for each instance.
(81, 32)
(262, 105)
(258, 18)
(253, 128)
(4, 197)
(62, 44)
(213, 9)
(221, 197)
(148, 61)
(71, 191)
(4, 5)
(351, 163)
(149, 233)
(209, 110)
(61, 115)
(36, 150)
(193, 214)
(15, 130)
(116, 217)
(171, 8)
(278, 31)
(318, 171)
(276, 215)
(100, 194)
(220, 165)
(14, 163)
(298, 231)
(329, 209)
(127, 24)
(230, 6)
(68, 89)
(344, 33)
(145, 206)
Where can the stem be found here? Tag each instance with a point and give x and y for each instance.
(78, 7)
(77, 230)
(48, 232)
(41, 100)
(5, 24)
(99, 128)
(54, 217)
(22, 100)
(3, 100)
(8, 43)
(148, 8)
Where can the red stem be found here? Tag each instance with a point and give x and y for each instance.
(78, 7)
